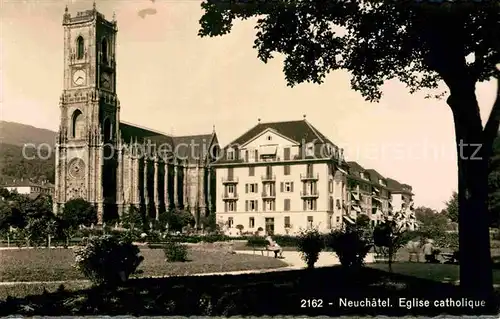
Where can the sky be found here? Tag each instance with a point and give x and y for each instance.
(171, 80)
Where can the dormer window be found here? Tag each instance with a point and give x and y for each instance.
(230, 154)
(310, 149)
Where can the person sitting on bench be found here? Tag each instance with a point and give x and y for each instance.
(273, 246)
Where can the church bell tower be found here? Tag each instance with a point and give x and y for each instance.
(86, 143)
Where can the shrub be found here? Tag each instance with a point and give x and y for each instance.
(106, 260)
(175, 251)
(447, 240)
(257, 241)
(350, 247)
(310, 243)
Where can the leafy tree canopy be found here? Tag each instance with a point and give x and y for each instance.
(78, 212)
(451, 209)
(415, 42)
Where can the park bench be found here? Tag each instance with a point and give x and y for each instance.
(265, 249)
(451, 258)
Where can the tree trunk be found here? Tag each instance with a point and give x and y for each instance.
(390, 253)
(472, 154)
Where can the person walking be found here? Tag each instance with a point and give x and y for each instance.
(429, 252)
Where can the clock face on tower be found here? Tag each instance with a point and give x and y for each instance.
(79, 77)
(77, 168)
(106, 80)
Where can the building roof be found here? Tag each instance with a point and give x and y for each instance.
(298, 131)
(25, 183)
(195, 148)
(375, 176)
(301, 132)
(397, 187)
(192, 148)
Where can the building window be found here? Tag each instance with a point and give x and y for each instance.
(230, 189)
(287, 187)
(310, 149)
(231, 206)
(230, 222)
(287, 222)
(251, 205)
(338, 203)
(309, 221)
(286, 153)
(251, 171)
(252, 188)
(286, 204)
(331, 203)
(310, 204)
(79, 48)
(286, 169)
(105, 51)
(269, 137)
(330, 186)
(251, 222)
(338, 219)
(230, 154)
(269, 205)
(310, 170)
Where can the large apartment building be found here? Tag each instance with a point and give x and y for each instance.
(282, 177)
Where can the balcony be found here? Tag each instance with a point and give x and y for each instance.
(309, 194)
(309, 177)
(268, 194)
(229, 180)
(268, 178)
(229, 196)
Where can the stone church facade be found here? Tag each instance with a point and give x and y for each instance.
(110, 163)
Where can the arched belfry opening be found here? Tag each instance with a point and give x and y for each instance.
(107, 128)
(77, 124)
(105, 49)
(80, 48)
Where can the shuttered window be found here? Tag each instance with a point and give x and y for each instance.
(287, 204)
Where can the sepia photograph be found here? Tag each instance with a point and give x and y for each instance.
(249, 158)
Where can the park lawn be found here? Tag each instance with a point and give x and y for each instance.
(436, 272)
(274, 293)
(57, 264)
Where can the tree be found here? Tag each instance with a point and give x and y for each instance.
(452, 208)
(132, 218)
(240, 228)
(78, 212)
(178, 219)
(431, 223)
(390, 234)
(417, 42)
(494, 184)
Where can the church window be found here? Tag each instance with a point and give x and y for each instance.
(104, 48)
(77, 125)
(79, 48)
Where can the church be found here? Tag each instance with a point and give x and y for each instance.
(110, 163)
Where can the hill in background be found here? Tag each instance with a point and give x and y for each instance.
(15, 165)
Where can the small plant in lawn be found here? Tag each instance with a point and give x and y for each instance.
(349, 245)
(309, 244)
(106, 260)
(175, 251)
